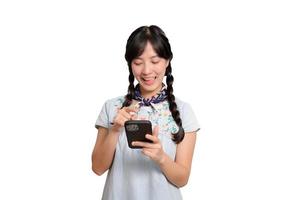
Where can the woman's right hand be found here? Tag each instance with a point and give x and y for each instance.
(123, 115)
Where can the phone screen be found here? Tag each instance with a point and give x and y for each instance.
(136, 130)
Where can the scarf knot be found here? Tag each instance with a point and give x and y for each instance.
(161, 96)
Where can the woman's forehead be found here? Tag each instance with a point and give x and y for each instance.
(148, 52)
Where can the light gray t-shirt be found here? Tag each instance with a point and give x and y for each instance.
(133, 175)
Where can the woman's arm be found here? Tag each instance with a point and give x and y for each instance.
(105, 147)
(104, 150)
(178, 171)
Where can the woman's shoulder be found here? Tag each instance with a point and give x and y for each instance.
(114, 102)
(183, 105)
(180, 102)
(187, 115)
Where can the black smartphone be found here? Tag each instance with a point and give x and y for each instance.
(136, 130)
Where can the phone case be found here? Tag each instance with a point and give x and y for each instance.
(136, 130)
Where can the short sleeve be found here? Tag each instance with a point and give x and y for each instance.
(189, 120)
(103, 117)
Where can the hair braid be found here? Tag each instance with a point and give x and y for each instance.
(177, 137)
(130, 94)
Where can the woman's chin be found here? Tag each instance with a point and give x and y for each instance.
(150, 89)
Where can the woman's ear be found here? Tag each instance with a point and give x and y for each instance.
(168, 61)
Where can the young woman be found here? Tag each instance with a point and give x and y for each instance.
(157, 170)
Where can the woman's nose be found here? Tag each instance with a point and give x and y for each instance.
(147, 68)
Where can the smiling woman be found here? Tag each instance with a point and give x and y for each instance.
(158, 168)
(149, 70)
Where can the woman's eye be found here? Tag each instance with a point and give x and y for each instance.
(155, 62)
(137, 63)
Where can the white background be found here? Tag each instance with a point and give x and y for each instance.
(235, 62)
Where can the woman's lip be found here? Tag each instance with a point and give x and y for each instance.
(149, 81)
(150, 78)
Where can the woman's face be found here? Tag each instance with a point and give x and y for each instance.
(149, 70)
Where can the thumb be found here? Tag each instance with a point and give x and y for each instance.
(134, 116)
(155, 131)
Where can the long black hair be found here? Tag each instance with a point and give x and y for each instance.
(135, 46)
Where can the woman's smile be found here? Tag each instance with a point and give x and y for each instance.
(149, 81)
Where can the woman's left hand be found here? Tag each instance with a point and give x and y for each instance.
(153, 150)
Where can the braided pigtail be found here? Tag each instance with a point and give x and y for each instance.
(130, 94)
(177, 137)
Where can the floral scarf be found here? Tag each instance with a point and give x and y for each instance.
(161, 96)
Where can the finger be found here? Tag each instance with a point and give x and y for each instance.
(145, 145)
(125, 114)
(135, 105)
(130, 109)
(155, 131)
(124, 119)
(134, 117)
(148, 153)
(152, 138)
(120, 120)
